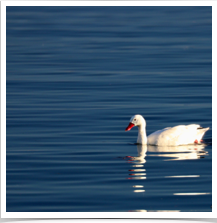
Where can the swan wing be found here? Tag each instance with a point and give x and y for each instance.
(178, 135)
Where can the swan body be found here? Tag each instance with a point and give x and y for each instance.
(170, 136)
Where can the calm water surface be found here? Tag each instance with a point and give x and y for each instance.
(75, 76)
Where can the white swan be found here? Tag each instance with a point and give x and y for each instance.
(171, 136)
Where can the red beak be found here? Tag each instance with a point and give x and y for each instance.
(130, 126)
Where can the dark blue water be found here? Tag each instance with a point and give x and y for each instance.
(75, 76)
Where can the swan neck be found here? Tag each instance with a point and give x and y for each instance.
(142, 138)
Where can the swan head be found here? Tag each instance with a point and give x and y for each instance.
(136, 120)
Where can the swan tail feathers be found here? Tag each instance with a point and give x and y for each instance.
(200, 133)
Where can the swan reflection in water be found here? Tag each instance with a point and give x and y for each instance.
(185, 152)
(171, 153)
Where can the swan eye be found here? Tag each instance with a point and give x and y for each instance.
(134, 120)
